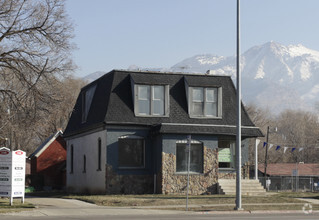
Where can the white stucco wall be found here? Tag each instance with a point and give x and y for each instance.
(92, 180)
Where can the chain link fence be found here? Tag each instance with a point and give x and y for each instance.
(291, 183)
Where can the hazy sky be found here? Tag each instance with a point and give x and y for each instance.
(114, 34)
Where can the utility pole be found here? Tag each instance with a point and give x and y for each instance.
(238, 135)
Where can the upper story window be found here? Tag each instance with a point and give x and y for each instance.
(151, 100)
(87, 96)
(205, 102)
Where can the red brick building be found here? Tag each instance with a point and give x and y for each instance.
(48, 163)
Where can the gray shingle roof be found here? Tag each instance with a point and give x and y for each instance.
(113, 104)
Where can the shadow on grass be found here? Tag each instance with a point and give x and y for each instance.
(48, 194)
(5, 204)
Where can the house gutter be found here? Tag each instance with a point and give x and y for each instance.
(179, 124)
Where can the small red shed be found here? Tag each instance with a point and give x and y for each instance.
(48, 163)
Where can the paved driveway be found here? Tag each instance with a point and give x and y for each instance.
(71, 207)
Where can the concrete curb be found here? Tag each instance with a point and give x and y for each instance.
(254, 212)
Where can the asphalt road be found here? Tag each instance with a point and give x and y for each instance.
(258, 216)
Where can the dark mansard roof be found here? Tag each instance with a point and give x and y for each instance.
(113, 104)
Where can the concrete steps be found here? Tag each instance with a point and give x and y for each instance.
(248, 187)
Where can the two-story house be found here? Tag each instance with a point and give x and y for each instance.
(128, 133)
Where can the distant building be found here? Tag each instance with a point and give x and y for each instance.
(128, 133)
(48, 163)
(289, 176)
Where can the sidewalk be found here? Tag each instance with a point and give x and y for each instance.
(71, 207)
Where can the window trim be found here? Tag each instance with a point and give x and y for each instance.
(144, 151)
(189, 94)
(151, 96)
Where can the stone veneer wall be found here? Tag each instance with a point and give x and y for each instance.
(232, 174)
(205, 183)
(127, 184)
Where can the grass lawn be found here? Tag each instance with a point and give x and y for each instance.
(279, 201)
(16, 207)
(275, 201)
(166, 200)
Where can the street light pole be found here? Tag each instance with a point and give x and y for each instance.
(238, 135)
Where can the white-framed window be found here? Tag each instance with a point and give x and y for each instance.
(196, 157)
(151, 100)
(205, 102)
(131, 152)
(226, 154)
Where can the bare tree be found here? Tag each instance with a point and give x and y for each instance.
(34, 45)
(261, 118)
(35, 52)
(299, 129)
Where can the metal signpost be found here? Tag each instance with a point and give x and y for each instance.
(12, 174)
(5, 172)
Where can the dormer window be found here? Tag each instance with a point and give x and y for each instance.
(151, 100)
(204, 102)
(87, 96)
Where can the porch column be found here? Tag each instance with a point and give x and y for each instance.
(256, 158)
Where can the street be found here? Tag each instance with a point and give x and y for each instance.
(259, 216)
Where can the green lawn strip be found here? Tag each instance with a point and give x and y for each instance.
(314, 195)
(285, 198)
(166, 200)
(292, 207)
(17, 206)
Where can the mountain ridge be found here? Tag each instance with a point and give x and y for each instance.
(274, 76)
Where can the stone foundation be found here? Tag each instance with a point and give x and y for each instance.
(227, 175)
(204, 183)
(127, 184)
(232, 174)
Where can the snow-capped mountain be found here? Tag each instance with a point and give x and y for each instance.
(274, 76)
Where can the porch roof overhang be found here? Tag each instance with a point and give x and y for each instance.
(170, 128)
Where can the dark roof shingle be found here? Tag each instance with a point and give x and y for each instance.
(113, 103)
